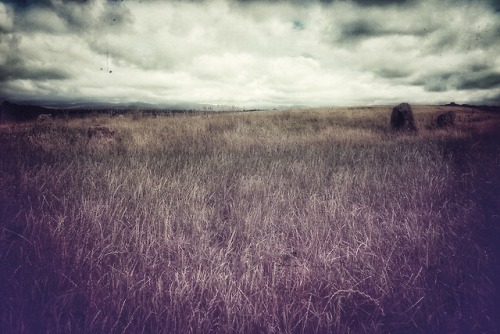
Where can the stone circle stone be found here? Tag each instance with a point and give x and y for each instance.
(402, 118)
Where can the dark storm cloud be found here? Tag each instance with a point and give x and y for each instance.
(77, 15)
(436, 82)
(21, 71)
(360, 29)
(368, 23)
(14, 67)
(494, 4)
(384, 2)
(493, 99)
(480, 81)
(20, 6)
(360, 2)
(392, 72)
(64, 29)
(6, 20)
(47, 3)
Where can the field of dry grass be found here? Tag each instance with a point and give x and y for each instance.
(298, 221)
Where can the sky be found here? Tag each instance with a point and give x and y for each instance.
(250, 53)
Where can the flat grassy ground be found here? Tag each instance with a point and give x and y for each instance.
(297, 221)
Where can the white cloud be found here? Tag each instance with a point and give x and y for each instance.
(42, 20)
(6, 17)
(225, 51)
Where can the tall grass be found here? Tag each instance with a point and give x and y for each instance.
(276, 222)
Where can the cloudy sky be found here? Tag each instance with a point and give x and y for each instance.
(251, 53)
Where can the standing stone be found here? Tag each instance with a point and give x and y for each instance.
(446, 119)
(402, 118)
(101, 138)
(100, 131)
(44, 117)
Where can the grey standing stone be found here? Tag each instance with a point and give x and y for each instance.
(402, 118)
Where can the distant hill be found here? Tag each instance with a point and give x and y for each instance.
(99, 105)
(17, 112)
(472, 106)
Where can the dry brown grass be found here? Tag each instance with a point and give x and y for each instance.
(299, 221)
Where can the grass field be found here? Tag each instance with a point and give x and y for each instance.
(299, 221)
